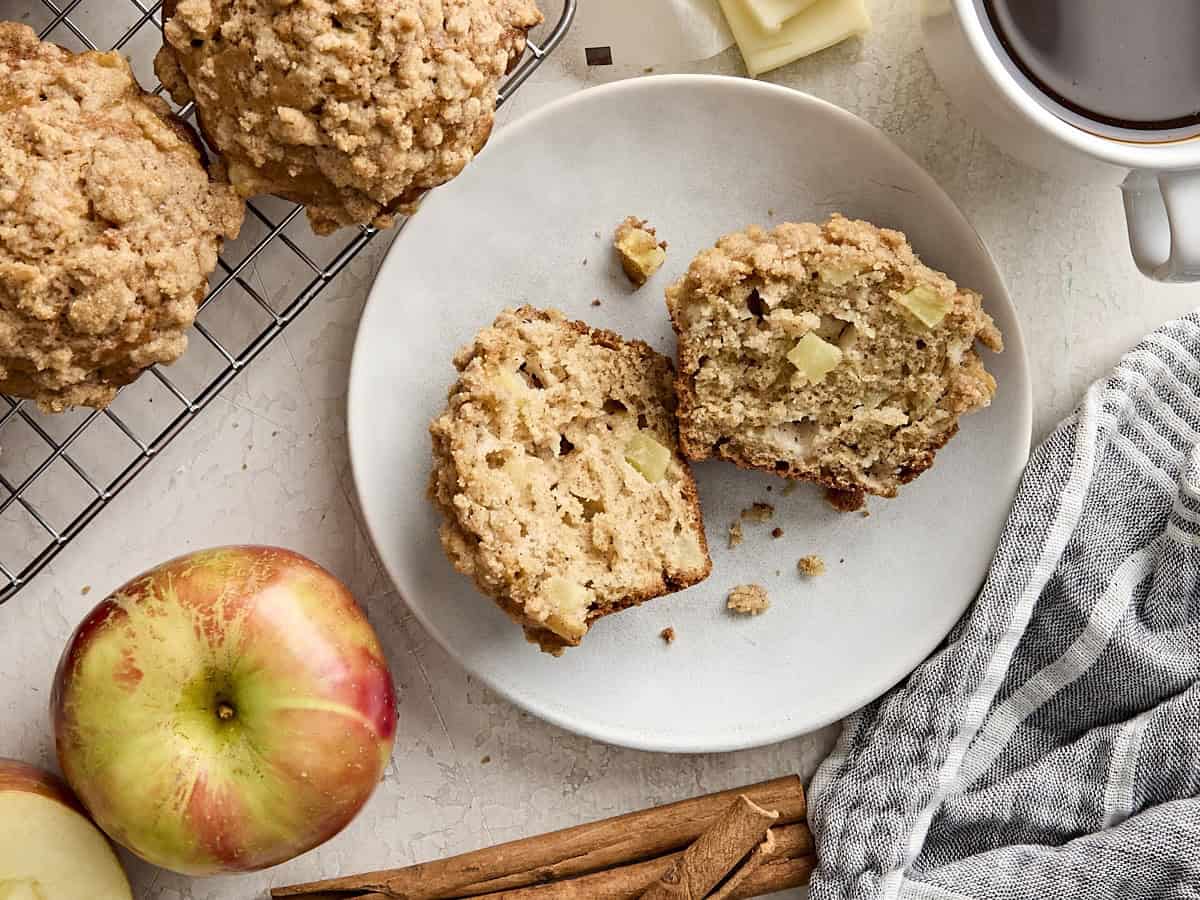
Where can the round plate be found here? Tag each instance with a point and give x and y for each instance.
(531, 221)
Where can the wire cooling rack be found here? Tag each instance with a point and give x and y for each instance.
(58, 472)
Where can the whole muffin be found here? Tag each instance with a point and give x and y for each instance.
(826, 353)
(353, 108)
(109, 224)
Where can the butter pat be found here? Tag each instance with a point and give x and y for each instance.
(771, 14)
(821, 25)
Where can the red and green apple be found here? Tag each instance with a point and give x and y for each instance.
(225, 711)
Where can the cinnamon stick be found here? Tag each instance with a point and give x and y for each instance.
(777, 875)
(715, 854)
(762, 854)
(793, 843)
(581, 850)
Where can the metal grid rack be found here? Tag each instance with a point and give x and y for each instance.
(58, 472)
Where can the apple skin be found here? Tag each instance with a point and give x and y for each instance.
(18, 776)
(225, 711)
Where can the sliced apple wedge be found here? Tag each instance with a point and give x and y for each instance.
(49, 850)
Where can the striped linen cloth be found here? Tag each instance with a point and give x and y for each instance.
(1051, 748)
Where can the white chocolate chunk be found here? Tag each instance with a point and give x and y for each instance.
(825, 23)
(771, 14)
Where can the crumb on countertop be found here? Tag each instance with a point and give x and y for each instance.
(735, 534)
(596, 302)
(640, 251)
(811, 566)
(776, 532)
(668, 634)
(485, 760)
(85, 590)
(748, 600)
(758, 512)
(866, 513)
(790, 488)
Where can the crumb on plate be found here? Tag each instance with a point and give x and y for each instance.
(811, 566)
(748, 600)
(758, 512)
(735, 534)
(668, 635)
(640, 251)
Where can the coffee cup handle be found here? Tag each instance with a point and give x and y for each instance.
(1163, 213)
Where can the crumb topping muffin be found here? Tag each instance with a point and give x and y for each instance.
(109, 224)
(827, 353)
(354, 108)
(558, 475)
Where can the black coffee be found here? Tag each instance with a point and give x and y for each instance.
(1131, 64)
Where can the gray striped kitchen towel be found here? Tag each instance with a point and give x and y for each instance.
(1051, 748)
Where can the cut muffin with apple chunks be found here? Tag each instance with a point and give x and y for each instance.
(826, 353)
(559, 477)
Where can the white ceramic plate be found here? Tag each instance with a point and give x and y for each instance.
(698, 156)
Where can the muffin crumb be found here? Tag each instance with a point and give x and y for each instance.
(811, 566)
(758, 512)
(638, 248)
(668, 635)
(748, 600)
(735, 535)
(776, 533)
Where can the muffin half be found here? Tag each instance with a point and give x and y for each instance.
(826, 353)
(558, 474)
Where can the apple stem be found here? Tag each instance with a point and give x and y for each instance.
(225, 711)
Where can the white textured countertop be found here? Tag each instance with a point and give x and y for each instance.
(267, 462)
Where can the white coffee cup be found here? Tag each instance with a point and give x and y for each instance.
(1160, 180)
